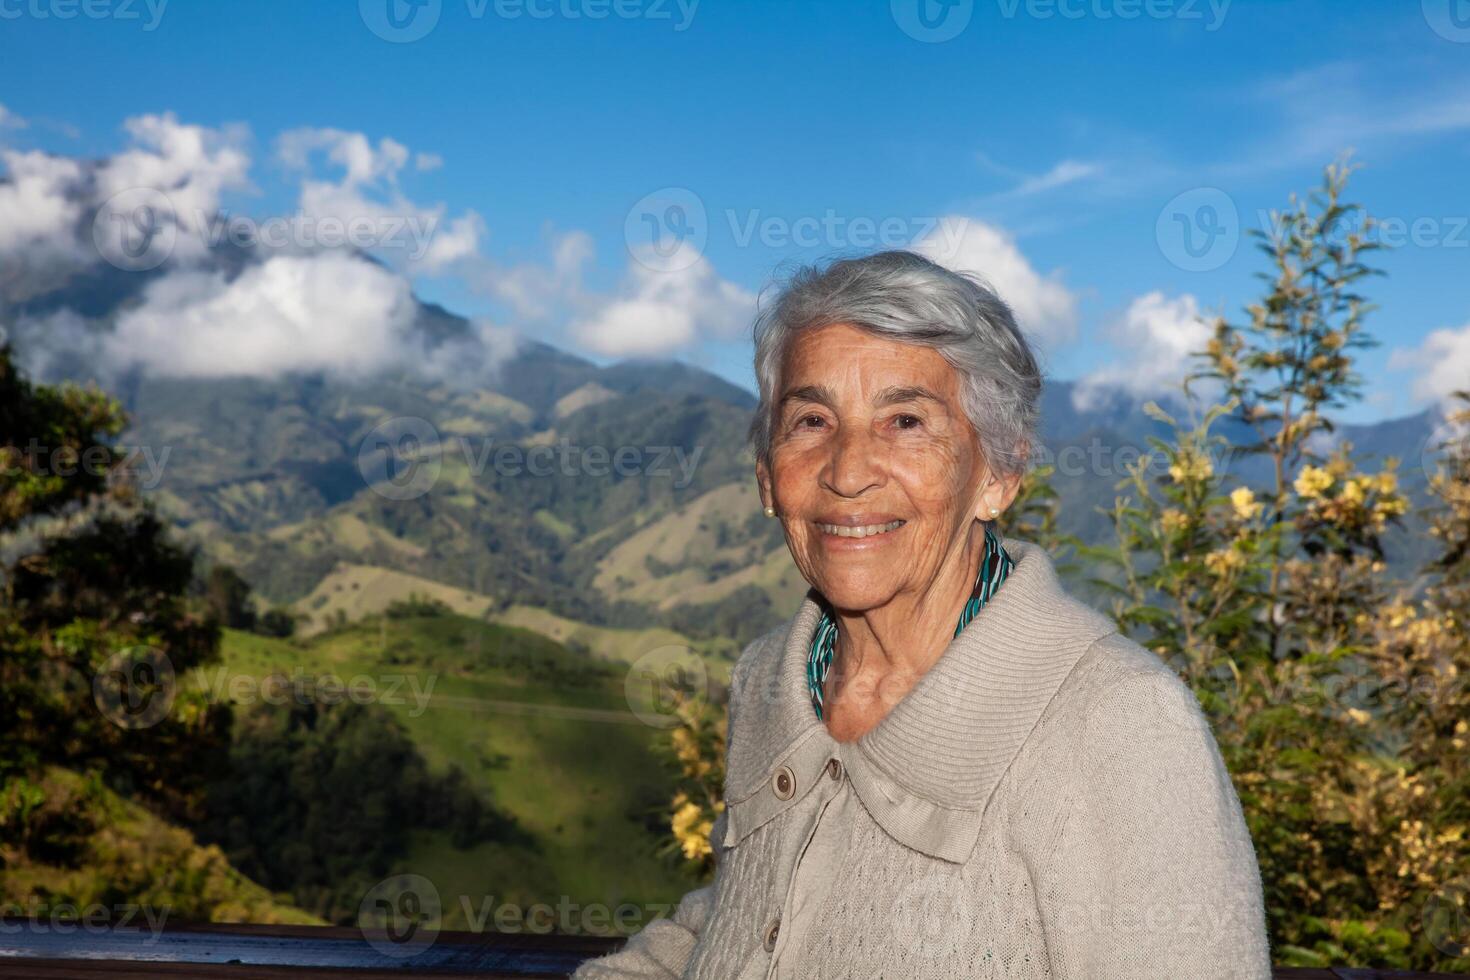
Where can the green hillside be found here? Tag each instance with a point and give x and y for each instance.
(284, 480)
(543, 732)
(92, 846)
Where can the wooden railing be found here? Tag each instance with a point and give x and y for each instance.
(46, 951)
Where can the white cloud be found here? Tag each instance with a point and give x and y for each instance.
(9, 120)
(1312, 115)
(538, 291)
(656, 312)
(191, 166)
(660, 306)
(1442, 361)
(368, 191)
(298, 308)
(328, 311)
(1044, 307)
(39, 204)
(45, 198)
(473, 359)
(1066, 172)
(1157, 335)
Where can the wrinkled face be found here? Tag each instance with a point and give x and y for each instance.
(874, 468)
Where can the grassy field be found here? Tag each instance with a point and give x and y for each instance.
(356, 591)
(545, 732)
(359, 591)
(700, 553)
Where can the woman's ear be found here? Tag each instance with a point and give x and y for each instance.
(763, 483)
(998, 496)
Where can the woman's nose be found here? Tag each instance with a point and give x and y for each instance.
(854, 466)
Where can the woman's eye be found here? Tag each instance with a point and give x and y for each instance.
(809, 421)
(907, 421)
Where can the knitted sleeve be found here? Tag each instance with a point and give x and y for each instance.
(1151, 871)
(661, 949)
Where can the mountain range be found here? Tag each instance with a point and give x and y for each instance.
(618, 495)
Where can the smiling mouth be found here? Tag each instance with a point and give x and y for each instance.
(860, 531)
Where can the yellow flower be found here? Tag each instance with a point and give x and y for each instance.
(1311, 481)
(1393, 505)
(1245, 503)
(1399, 614)
(691, 828)
(1189, 466)
(1173, 520)
(1388, 481)
(1354, 492)
(1224, 561)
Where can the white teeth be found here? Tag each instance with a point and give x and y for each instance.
(866, 531)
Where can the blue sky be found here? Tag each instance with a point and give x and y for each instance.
(1050, 137)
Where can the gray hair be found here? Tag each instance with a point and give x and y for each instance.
(906, 297)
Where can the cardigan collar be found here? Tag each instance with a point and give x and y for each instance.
(927, 771)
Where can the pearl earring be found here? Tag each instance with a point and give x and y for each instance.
(995, 512)
(770, 512)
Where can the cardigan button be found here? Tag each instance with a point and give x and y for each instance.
(772, 931)
(784, 783)
(834, 769)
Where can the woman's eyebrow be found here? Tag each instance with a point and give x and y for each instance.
(820, 394)
(904, 393)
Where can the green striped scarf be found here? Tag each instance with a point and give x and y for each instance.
(995, 565)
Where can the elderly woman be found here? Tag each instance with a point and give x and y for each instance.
(944, 766)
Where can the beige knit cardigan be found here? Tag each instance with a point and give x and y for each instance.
(1047, 801)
